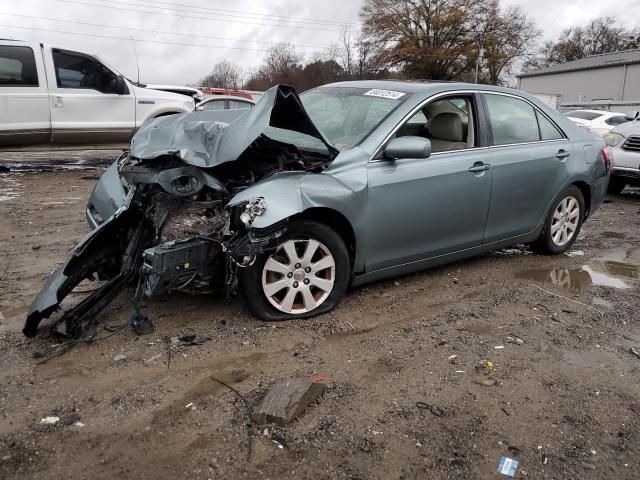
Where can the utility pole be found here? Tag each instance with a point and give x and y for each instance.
(480, 58)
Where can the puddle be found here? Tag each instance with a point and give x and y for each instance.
(12, 319)
(616, 270)
(601, 302)
(10, 187)
(595, 360)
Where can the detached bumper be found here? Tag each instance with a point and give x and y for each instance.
(98, 252)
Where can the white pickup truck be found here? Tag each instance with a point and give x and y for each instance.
(50, 95)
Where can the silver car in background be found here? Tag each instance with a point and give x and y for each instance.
(299, 197)
(624, 153)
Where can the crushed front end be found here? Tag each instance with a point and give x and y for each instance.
(161, 217)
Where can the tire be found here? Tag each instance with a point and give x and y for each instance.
(552, 240)
(616, 186)
(275, 290)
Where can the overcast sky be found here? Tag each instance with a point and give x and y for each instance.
(235, 30)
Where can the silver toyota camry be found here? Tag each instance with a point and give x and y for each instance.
(293, 201)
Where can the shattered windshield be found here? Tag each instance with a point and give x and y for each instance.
(345, 115)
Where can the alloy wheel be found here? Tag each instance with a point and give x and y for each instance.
(299, 276)
(565, 221)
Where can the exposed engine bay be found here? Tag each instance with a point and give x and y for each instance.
(161, 219)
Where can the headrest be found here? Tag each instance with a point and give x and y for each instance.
(447, 126)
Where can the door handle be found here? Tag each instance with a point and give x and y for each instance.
(562, 154)
(479, 167)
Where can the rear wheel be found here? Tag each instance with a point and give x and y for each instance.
(616, 186)
(563, 223)
(305, 276)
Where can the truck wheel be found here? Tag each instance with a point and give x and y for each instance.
(563, 223)
(305, 276)
(616, 186)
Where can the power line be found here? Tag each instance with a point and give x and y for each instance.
(141, 40)
(245, 13)
(150, 31)
(208, 19)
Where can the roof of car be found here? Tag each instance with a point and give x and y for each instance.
(416, 86)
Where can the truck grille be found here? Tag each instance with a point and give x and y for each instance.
(632, 144)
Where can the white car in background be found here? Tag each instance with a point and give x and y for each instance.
(598, 121)
(624, 152)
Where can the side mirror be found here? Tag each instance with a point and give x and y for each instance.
(631, 116)
(121, 85)
(408, 147)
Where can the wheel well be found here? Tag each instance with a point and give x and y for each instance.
(165, 114)
(586, 193)
(337, 222)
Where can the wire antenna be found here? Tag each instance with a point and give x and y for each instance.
(135, 52)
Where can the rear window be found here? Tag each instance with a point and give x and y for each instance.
(17, 67)
(583, 115)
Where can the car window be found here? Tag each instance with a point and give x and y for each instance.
(548, 131)
(512, 120)
(81, 71)
(237, 105)
(447, 123)
(212, 105)
(615, 121)
(583, 114)
(17, 67)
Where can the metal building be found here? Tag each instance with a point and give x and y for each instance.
(606, 80)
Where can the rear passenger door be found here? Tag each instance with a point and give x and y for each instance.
(531, 158)
(24, 99)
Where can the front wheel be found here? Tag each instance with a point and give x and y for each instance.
(305, 276)
(563, 223)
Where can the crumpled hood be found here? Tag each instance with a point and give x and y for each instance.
(210, 138)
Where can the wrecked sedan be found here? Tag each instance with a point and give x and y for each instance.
(298, 198)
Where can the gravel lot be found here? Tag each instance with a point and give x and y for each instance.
(410, 393)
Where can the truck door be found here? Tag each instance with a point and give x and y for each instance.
(90, 104)
(24, 99)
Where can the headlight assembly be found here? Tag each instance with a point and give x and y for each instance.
(252, 209)
(185, 186)
(612, 139)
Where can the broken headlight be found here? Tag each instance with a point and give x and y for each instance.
(252, 209)
(185, 186)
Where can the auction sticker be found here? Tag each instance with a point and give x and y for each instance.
(376, 92)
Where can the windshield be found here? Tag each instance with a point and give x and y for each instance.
(345, 115)
(584, 115)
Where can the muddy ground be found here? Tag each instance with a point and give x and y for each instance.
(403, 359)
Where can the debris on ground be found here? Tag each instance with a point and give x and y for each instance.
(69, 419)
(635, 351)
(437, 411)
(189, 340)
(49, 420)
(507, 466)
(485, 381)
(119, 358)
(286, 400)
(635, 407)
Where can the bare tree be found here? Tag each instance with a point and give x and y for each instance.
(224, 75)
(601, 35)
(442, 39)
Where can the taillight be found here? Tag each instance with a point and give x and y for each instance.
(607, 156)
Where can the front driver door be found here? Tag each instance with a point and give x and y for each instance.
(85, 105)
(423, 208)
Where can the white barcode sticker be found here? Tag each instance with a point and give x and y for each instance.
(376, 92)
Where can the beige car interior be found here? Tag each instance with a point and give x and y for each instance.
(446, 123)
